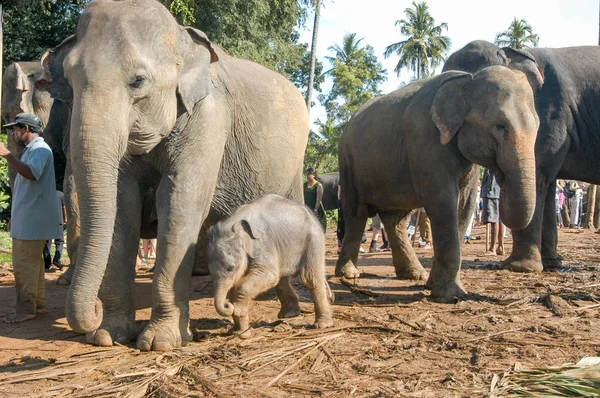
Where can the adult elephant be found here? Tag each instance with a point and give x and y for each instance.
(20, 94)
(330, 182)
(568, 142)
(157, 104)
(419, 146)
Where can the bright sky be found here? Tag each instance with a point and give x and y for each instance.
(558, 23)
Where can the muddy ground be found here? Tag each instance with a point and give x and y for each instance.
(389, 338)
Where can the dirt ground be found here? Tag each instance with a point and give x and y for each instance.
(389, 338)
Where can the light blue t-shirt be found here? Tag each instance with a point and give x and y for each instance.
(33, 214)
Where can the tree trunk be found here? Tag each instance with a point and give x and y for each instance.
(1, 53)
(313, 55)
(590, 208)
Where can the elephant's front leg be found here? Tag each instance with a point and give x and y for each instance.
(259, 279)
(117, 291)
(73, 223)
(182, 204)
(444, 279)
(551, 260)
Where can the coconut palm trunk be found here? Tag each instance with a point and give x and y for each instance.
(313, 55)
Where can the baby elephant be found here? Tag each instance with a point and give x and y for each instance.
(263, 245)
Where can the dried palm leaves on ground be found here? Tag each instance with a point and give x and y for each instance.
(570, 380)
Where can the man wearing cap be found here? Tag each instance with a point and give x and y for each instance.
(34, 218)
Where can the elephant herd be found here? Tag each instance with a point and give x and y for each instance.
(134, 101)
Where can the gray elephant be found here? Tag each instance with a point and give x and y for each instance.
(330, 183)
(20, 94)
(567, 144)
(263, 245)
(157, 104)
(418, 146)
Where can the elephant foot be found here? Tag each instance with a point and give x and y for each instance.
(522, 265)
(414, 272)
(348, 271)
(66, 277)
(163, 335)
(121, 331)
(551, 263)
(323, 322)
(448, 292)
(289, 311)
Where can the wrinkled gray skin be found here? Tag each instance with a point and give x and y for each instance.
(568, 142)
(330, 183)
(263, 245)
(157, 104)
(20, 94)
(419, 146)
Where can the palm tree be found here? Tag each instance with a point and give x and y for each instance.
(425, 46)
(349, 51)
(519, 35)
(313, 53)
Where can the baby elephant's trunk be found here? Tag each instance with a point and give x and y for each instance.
(222, 304)
(330, 294)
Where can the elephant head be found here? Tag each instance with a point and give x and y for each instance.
(492, 114)
(228, 251)
(129, 72)
(480, 54)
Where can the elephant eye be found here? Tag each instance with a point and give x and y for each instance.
(230, 268)
(137, 81)
(501, 127)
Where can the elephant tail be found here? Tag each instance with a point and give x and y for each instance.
(330, 295)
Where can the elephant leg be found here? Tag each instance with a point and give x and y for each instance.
(313, 277)
(73, 224)
(526, 255)
(550, 258)
(117, 291)
(288, 298)
(348, 260)
(254, 283)
(444, 279)
(405, 260)
(200, 264)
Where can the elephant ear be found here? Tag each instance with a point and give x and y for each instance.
(194, 75)
(53, 77)
(449, 108)
(526, 63)
(244, 227)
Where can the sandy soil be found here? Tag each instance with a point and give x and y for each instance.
(389, 339)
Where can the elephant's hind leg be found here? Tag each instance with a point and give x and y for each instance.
(355, 227)
(405, 260)
(288, 298)
(313, 277)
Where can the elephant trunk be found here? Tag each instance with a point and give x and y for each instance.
(518, 193)
(222, 304)
(97, 147)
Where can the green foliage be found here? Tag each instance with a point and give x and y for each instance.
(32, 27)
(425, 46)
(264, 31)
(356, 75)
(519, 35)
(5, 198)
